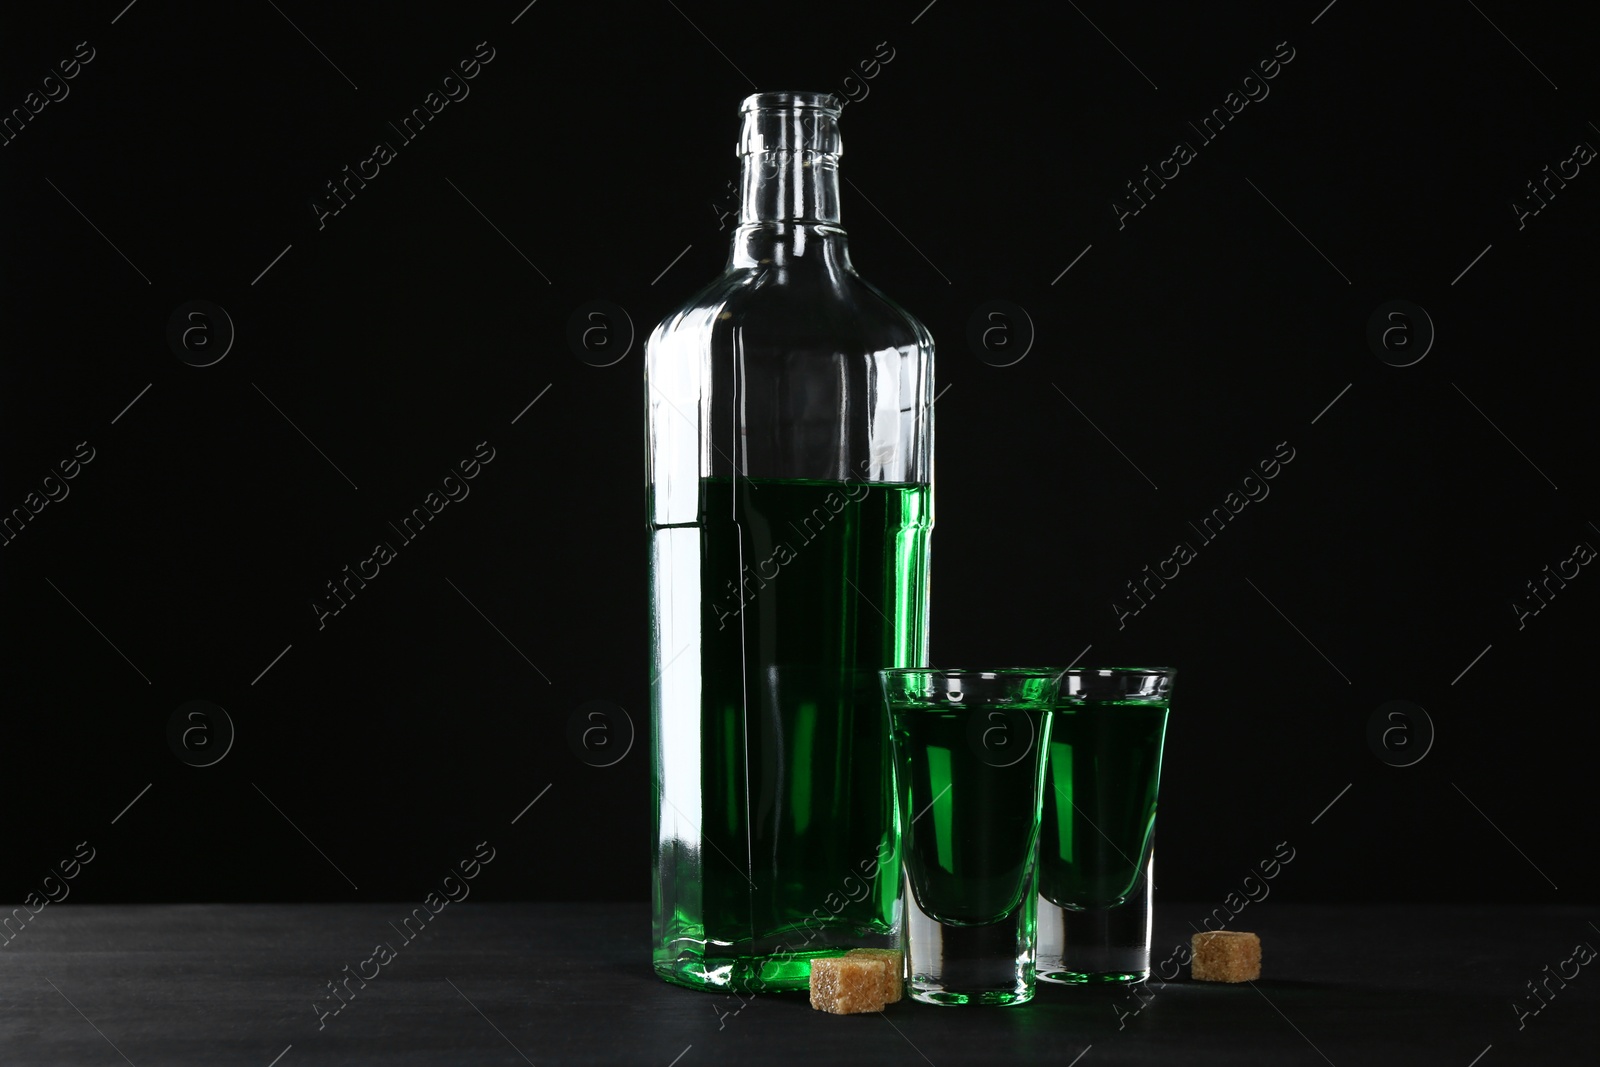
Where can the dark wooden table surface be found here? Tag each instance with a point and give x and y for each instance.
(507, 984)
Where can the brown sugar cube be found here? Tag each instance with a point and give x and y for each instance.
(846, 985)
(894, 970)
(1225, 956)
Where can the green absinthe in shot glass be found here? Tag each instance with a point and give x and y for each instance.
(1105, 758)
(969, 769)
(967, 853)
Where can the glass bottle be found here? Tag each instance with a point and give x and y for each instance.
(789, 432)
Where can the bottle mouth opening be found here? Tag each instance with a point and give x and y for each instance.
(791, 100)
(793, 123)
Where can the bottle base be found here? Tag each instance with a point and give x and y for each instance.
(743, 974)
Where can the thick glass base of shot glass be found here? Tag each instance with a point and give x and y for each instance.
(988, 964)
(1096, 946)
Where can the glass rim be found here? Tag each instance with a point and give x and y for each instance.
(788, 99)
(973, 672)
(1113, 671)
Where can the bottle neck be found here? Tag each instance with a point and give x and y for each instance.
(789, 151)
(789, 212)
(801, 185)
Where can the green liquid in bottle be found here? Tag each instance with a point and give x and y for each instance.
(806, 590)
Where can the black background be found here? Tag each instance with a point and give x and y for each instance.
(597, 145)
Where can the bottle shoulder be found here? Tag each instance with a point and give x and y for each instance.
(837, 310)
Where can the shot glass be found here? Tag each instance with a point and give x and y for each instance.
(1097, 831)
(969, 757)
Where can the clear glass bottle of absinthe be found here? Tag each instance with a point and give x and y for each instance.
(789, 434)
